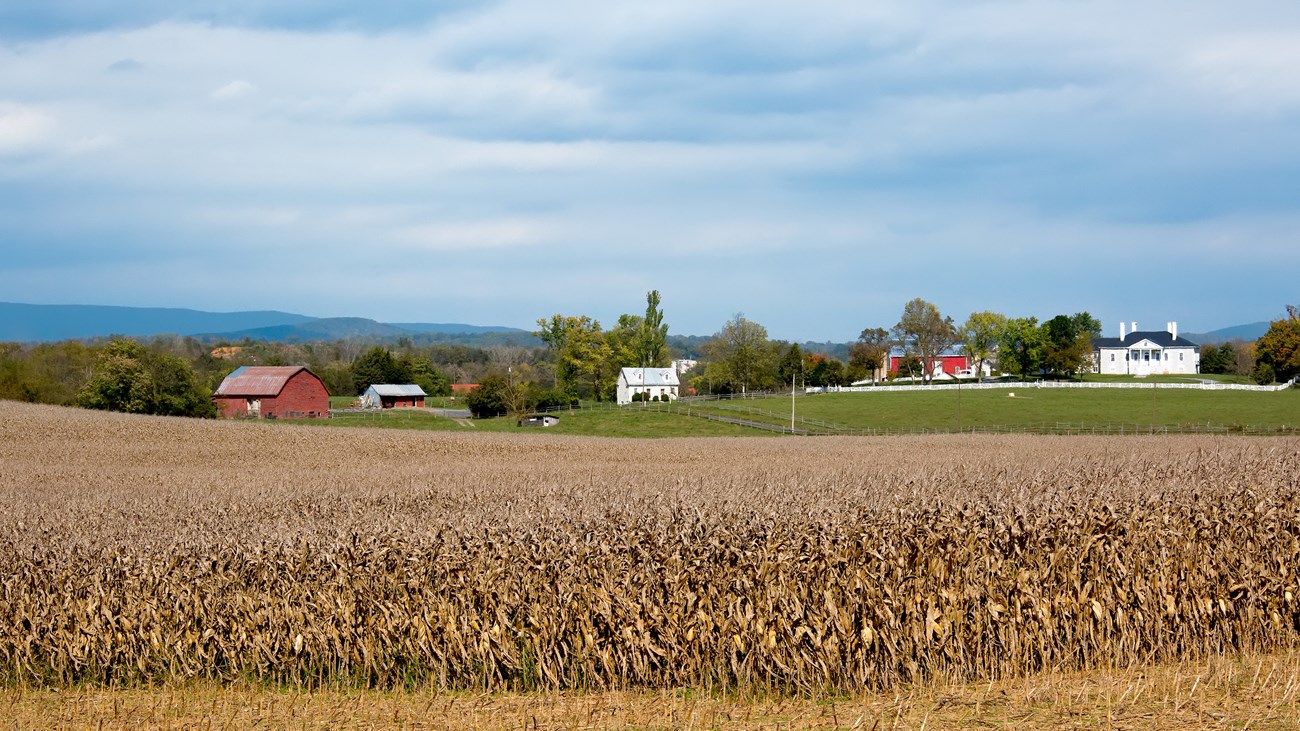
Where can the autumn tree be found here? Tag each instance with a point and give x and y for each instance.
(924, 332)
(1279, 349)
(822, 370)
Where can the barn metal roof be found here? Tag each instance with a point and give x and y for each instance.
(257, 380)
(391, 389)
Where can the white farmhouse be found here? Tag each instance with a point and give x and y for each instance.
(652, 382)
(1143, 353)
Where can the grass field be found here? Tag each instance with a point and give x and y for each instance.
(941, 410)
(895, 412)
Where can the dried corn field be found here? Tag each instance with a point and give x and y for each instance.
(136, 549)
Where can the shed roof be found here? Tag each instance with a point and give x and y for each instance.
(393, 389)
(650, 376)
(258, 380)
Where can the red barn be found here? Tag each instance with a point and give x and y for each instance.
(272, 392)
(947, 363)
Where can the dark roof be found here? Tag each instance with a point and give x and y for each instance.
(1163, 338)
(258, 380)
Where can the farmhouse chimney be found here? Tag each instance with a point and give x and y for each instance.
(1121, 331)
(1173, 329)
(1133, 327)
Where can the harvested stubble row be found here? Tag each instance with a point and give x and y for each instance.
(139, 550)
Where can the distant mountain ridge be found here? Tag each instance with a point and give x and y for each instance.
(1251, 331)
(46, 323)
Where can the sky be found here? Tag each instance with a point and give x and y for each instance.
(813, 165)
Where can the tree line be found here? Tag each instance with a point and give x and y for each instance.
(740, 357)
(176, 376)
(580, 360)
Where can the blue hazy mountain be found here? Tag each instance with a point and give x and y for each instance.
(21, 322)
(1252, 331)
(46, 323)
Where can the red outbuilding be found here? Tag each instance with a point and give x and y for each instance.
(948, 363)
(272, 392)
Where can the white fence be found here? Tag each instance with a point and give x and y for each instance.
(1026, 385)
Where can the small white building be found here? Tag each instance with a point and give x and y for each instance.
(1143, 353)
(653, 382)
(391, 395)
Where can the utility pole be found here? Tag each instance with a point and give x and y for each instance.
(792, 376)
(959, 405)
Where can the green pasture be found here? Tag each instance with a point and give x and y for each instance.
(921, 409)
(1017, 407)
(607, 422)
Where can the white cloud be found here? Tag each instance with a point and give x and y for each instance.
(472, 235)
(1256, 72)
(233, 90)
(24, 129)
(919, 141)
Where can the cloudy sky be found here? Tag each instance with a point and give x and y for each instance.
(812, 164)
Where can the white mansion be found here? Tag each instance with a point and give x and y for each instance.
(1145, 352)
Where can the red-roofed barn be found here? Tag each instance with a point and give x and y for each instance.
(272, 392)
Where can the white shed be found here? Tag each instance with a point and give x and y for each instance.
(388, 396)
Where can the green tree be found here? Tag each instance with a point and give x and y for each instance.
(870, 354)
(1279, 349)
(1214, 360)
(585, 360)
(980, 335)
(129, 377)
(1084, 323)
(491, 398)
(428, 377)
(378, 365)
(177, 390)
(652, 340)
(553, 332)
(924, 332)
(740, 351)
(822, 370)
(121, 381)
(791, 365)
(1066, 348)
(1021, 350)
